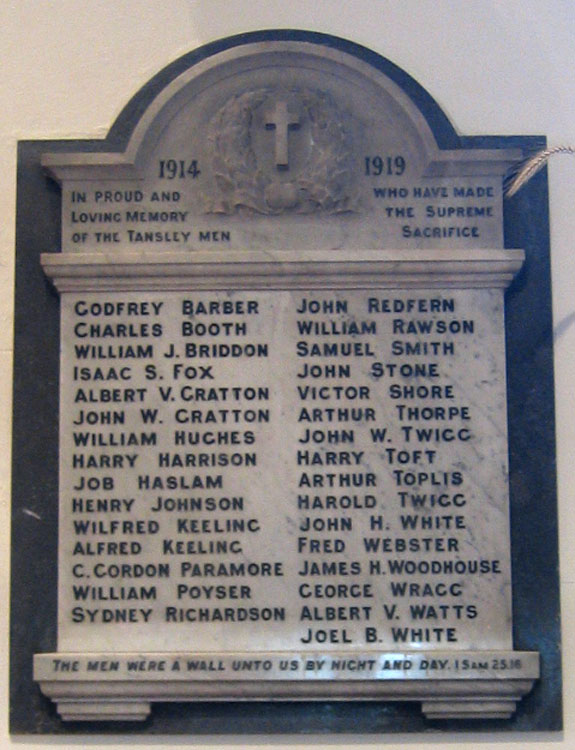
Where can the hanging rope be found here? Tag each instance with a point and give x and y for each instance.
(532, 166)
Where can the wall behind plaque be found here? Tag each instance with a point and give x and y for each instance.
(495, 68)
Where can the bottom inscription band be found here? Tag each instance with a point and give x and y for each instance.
(465, 684)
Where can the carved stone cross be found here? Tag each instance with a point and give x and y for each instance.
(282, 121)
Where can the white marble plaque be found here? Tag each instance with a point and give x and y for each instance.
(283, 470)
(283, 411)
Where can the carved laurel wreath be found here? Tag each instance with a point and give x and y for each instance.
(322, 186)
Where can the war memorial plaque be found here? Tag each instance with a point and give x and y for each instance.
(295, 443)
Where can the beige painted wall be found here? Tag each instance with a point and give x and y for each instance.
(496, 66)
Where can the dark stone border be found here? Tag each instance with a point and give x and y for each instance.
(35, 451)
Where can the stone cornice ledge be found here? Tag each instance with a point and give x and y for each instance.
(449, 684)
(265, 270)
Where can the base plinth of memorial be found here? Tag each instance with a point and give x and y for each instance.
(450, 685)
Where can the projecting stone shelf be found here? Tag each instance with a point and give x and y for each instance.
(276, 269)
(449, 684)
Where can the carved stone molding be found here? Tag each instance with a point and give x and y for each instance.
(322, 182)
(479, 690)
(364, 269)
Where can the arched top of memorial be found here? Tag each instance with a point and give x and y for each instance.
(291, 130)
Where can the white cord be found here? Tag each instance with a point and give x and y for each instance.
(533, 165)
